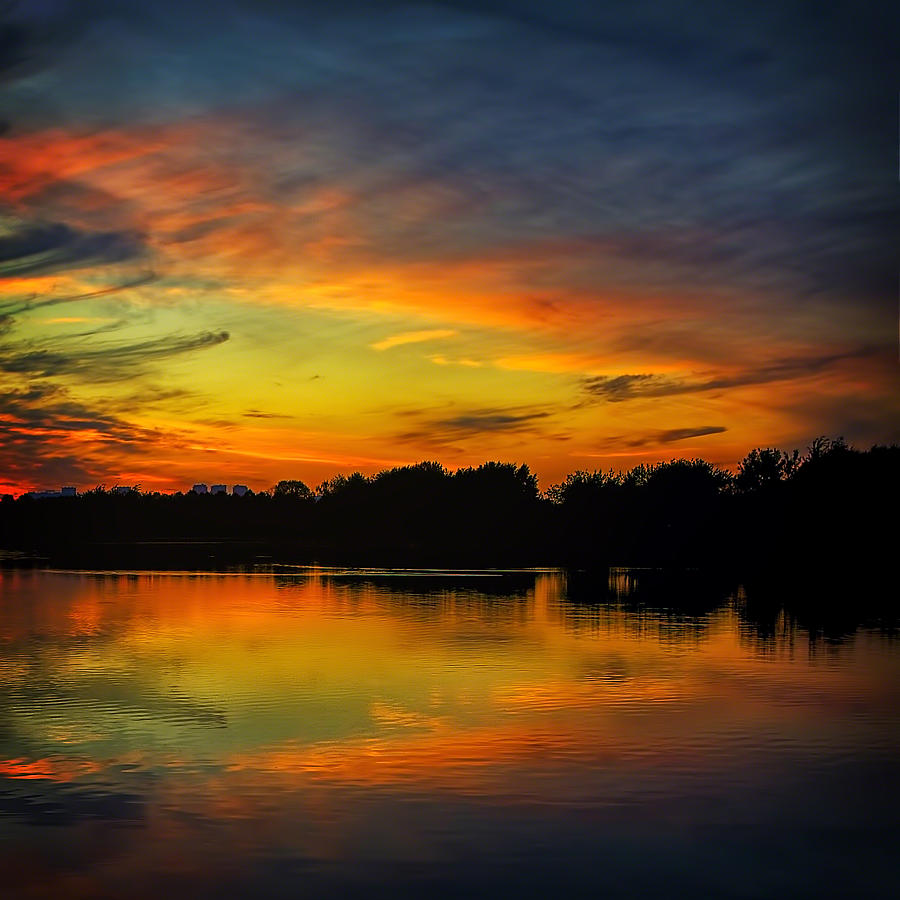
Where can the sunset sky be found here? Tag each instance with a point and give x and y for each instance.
(241, 242)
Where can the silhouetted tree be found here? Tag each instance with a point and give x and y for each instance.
(295, 490)
(584, 488)
(763, 467)
(833, 508)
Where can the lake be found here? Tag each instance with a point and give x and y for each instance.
(357, 734)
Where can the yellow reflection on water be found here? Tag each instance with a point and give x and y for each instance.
(369, 681)
(324, 719)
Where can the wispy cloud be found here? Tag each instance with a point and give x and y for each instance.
(413, 337)
(108, 362)
(259, 414)
(20, 305)
(672, 435)
(619, 388)
(78, 320)
(47, 437)
(441, 360)
(613, 198)
(473, 423)
(641, 442)
(29, 248)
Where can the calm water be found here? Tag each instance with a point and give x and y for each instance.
(335, 735)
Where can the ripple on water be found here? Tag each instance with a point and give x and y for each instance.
(315, 723)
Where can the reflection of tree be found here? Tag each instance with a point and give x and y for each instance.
(775, 608)
(676, 605)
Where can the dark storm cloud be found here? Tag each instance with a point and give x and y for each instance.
(40, 248)
(109, 362)
(618, 388)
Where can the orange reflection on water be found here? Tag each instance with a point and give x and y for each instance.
(381, 680)
(48, 769)
(447, 759)
(199, 728)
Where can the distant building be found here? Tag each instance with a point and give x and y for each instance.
(199, 489)
(122, 489)
(239, 490)
(67, 491)
(219, 489)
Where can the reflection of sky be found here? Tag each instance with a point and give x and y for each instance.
(309, 673)
(272, 239)
(246, 734)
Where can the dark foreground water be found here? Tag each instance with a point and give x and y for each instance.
(327, 734)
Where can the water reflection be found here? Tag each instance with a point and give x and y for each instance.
(341, 732)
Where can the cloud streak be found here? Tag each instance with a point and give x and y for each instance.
(620, 199)
(621, 388)
(43, 248)
(413, 337)
(19, 306)
(109, 362)
(49, 438)
(671, 435)
(474, 423)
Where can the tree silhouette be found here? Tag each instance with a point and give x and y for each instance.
(832, 507)
(763, 467)
(295, 490)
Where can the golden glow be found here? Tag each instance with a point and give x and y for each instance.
(343, 353)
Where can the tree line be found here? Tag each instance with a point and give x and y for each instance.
(833, 506)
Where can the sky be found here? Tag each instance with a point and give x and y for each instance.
(248, 241)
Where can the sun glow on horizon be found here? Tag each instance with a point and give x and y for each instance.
(243, 280)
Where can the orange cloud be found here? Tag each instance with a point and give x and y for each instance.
(31, 162)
